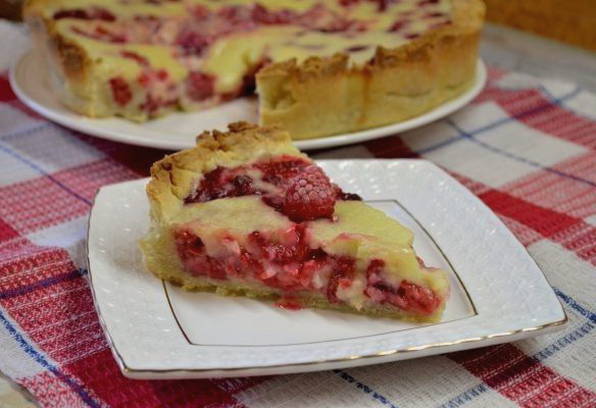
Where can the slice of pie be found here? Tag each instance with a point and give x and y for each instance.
(321, 66)
(246, 214)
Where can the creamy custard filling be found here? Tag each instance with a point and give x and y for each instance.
(281, 222)
(285, 261)
(195, 53)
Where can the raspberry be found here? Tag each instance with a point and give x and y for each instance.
(192, 43)
(120, 91)
(342, 195)
(188, 244)
(310, 195)
(398, 25)
(94, 13)
(343, 272)
(408, 296)
(278, 171)
(134, 56)
(220, 183)
(200, 85)
(262, 15)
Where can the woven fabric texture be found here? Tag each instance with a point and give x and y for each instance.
(525, 146)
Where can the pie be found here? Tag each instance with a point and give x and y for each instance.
(246, 214)
(320, 67)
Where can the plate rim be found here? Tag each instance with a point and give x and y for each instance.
(85, 124)
(378, 357)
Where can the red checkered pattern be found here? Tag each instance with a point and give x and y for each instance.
(51, 342)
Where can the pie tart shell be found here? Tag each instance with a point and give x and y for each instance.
(318, 97)
(175, 176)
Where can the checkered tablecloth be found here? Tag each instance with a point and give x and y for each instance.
(526, 147)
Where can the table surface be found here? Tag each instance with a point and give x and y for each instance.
(501, 47)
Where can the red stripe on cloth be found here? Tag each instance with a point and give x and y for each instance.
(561, 393)
(474, 186)
(520, 378)
(525, 235)
(6, 93)
(518, 101)
(535, 110)
(194, 393)
(16, 247)
(31, 266)
(549, 190)
(51, 302)
(51, 391)
(100, 373)
(38, 203)
(58, 316)
(7, 232)
(546, 222)
(494, 74)
(390, 147)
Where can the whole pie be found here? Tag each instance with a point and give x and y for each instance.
(246, 214)
(320, 67)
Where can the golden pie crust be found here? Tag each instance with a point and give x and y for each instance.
(318, 97)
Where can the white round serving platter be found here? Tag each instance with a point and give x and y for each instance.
(29, 80)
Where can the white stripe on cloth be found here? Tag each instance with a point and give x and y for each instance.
(14, 361)
(15, 121)
(70, 235)
(583, 104)
(424, 382)
(321, 390)
(15, 35)
(570, 352)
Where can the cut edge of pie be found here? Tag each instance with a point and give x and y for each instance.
(209, 234)
(318, 97)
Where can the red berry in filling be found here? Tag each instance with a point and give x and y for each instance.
(134, 56)
(398, 25)
(357, 48)
(94, 13)
(162, 74)
(200, 86)
(262, 15)
(289, 303)
(222, 182)
(101, 33)
(192, 42)
(310, 195)
(151, 104)
(423, 3)
(343, 271)
(120, 91)
(434, 14)
(188, 244)
(280, 170)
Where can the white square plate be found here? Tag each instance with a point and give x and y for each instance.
(160, 331)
